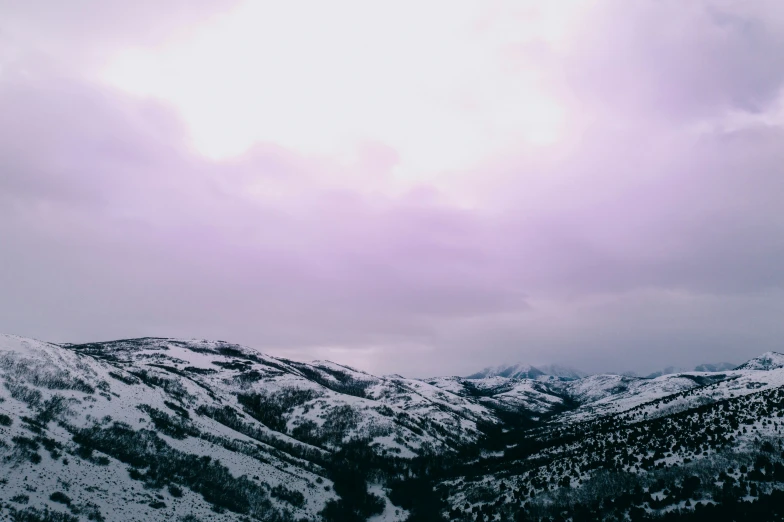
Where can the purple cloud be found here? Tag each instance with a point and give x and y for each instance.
(649, 232)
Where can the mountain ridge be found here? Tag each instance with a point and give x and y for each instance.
(526, 371)
(766, 361)
(155, 428)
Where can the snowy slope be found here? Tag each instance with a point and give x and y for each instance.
(766, 361)
(636, 436)
(153, 429)
(504, 393)
(268, 424)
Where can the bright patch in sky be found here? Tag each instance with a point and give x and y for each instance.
(445, 84)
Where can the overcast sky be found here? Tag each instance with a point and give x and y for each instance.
(413, 187)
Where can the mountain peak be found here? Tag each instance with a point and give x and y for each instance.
(512, 371)
(526, 371)
(766, 361)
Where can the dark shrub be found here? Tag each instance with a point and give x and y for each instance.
(62, 498)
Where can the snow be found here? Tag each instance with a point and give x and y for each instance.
(391, 512)
(766, 361)
(393, 414)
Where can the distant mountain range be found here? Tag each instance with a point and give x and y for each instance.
(717, 367)
(525, 371)
(195, 430)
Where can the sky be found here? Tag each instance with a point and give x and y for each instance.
(422, 188)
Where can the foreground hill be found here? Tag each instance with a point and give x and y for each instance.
(693, 446)
(111, 426)
(153, 429)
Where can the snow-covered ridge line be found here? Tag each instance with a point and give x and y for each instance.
(270, 425)
(766, 361)
(133, 417)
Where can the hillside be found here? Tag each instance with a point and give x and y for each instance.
(113, 425)
(153, 429)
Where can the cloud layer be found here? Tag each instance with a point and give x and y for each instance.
(650, 234)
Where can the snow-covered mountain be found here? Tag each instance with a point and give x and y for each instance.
(153, 429)
(112, 425)
(525, 371)
(669, 370)
(766, 361)
(715, 367)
